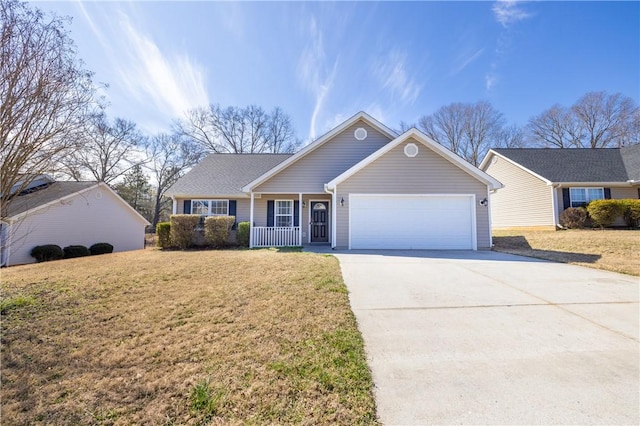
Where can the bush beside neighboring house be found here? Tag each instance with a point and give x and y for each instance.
(49, 252)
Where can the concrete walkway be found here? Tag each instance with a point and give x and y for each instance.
(491, 338)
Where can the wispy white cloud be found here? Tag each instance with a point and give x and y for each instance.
(393, 74)
(465, 60)
(165, 84)
(508, 12)
(490, 80)
(172, 82)
(315, 74)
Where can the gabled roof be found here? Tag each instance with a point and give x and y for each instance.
(631, 160)
(573, 165)
(319, 142)
(416, 134)
(224, 174)
(54, 193)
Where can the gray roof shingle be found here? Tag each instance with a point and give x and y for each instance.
(225, 174)
(52, 192)
(577, 165)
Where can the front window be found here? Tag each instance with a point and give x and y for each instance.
(210, 207)
(580, 197)
(284, 213)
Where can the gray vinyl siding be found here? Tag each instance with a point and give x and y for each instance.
(243, 207)
(525, 200)
(311, 172)
(260, 210)
(427, 173)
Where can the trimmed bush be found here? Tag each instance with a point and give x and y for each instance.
(75, 251)
(604, 212)
(217, 229)
(630, 212)
(574, 217)
(47, 252)
(100, 248)
(163, 231)
(183, 227)
(242, 233)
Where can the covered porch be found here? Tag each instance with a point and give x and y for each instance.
(284, 220)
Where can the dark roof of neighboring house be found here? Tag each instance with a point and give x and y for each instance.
(225, 174)
(54, 191)
(578, 164)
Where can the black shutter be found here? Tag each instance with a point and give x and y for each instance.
(232, 212)
(296, 213)
(638, 193)
(566, 200)
(186, 209)
(270, 213)
(607, 193)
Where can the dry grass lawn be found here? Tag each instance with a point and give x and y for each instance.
(613, 250)
(200, 337)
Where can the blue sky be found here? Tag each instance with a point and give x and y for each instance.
(323, 62)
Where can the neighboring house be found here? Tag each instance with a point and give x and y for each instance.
(540, 183)
(67, 213)
(360, 186)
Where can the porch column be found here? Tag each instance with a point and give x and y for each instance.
(174, 209)
(251, 222)
(300, 217)
(334, 215)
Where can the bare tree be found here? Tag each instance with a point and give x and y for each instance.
(238, 130)
(511, 137)
(403, 126)
(106, 150)
(466, 129)
(555, 128)
(604, 119)
(170, 157)
(136, 190)
(44, 96)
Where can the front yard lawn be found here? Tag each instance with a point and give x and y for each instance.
(613, 250)
(152, 337)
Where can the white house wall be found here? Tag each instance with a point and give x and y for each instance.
(94, 216)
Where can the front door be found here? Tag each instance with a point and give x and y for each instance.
(319, 221)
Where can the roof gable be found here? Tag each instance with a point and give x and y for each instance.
(57, 192)
(319, 142)
(418, 136)
(572, 165)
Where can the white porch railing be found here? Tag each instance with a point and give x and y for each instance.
(276, 236)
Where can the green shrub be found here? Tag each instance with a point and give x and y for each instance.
(242, 233)
(163, 231)
(47, 252)
(75, 251)
(100, 248)
(217, 229)
(183, 227)
(630, 212)
(574, 218)
(604, 212)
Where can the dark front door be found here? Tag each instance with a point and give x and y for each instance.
(319, 221)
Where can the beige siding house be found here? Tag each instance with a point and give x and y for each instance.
(540, 183)
(360, 186)
(69, 213)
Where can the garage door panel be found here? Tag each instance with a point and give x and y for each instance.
(411, 222)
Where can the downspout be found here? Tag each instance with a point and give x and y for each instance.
(333, 213)
(488, 207)
(251, 223)
(554, 203)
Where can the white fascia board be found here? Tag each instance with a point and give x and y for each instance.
(319, 142)
(434, 146)
(210, 196)
(520, 166)
(591, 184)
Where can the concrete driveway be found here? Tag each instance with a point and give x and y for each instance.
(490, 338)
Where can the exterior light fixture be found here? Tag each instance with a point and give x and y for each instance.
(484, 202)
(342, 201)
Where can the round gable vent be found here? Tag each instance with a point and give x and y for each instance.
(411, 150)
(360, 134)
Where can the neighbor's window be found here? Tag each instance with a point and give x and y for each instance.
(580, 197)
(284, 213)
(210, 207)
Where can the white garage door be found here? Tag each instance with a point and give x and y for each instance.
(412, 222)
